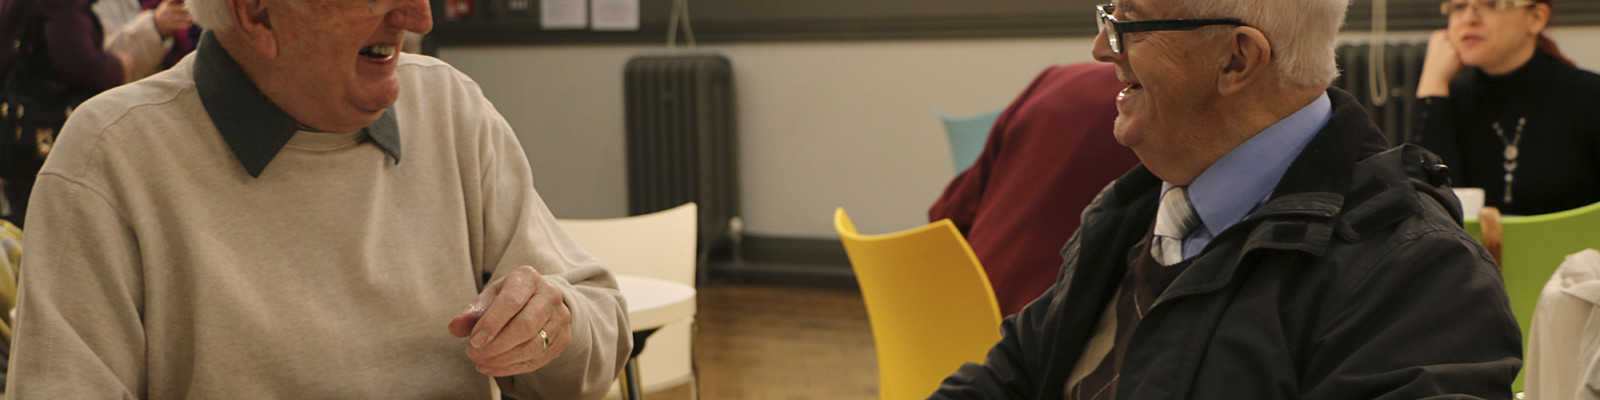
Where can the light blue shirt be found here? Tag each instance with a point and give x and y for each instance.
(1243, 179)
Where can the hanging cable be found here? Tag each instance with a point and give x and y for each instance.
(688, 29)
(672, 26)
(680, 15)
(1377, 51)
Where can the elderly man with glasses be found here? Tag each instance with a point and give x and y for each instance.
(298, 211)
(1269, 246)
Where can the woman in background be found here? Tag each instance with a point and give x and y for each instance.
(156, 37)
(1507, 111)
(51, 58)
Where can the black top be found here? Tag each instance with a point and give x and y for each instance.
(1558, 155)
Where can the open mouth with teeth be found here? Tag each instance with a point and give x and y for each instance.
(378, 51)
(1130, 90)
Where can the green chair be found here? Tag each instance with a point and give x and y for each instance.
(1530, 249)
(967, 135)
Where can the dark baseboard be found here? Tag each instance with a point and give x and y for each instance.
(782, 260)
(767, 273)
(792, 250)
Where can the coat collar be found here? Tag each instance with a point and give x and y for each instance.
(1344, 184)
(254, 127)
(1312, 202)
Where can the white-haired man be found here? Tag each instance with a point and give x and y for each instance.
(298, 211)
(1268, 247)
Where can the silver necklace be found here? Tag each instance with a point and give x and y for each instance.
(1510, 153)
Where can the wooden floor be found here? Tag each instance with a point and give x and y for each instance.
(781, 342)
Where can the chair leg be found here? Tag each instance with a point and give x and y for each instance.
(694, 366)
(630, 387)
(630, 371)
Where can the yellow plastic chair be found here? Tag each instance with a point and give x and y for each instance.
(1531, 248)
(929, 302)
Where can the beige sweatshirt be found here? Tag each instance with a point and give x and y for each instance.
(158, 267)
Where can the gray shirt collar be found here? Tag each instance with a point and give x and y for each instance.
(254, 127)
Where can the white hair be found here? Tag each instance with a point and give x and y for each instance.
(210, 14)
(1301, 32)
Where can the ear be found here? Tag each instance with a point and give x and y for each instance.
(1249, 55)
(255, 25)
(1538, 18)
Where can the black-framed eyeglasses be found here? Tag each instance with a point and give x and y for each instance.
(1448, 8)
(1114, 28)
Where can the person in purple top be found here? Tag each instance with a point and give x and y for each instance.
(65, 64)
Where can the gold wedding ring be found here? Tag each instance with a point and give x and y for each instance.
(545, 338)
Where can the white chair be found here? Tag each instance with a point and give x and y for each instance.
(659, 245)
(1563, 356)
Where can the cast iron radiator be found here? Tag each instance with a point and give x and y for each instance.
(682, 140)
(1402, 63)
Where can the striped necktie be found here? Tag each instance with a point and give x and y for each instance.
(1174, 219)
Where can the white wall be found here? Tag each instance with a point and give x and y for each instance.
(821, 124)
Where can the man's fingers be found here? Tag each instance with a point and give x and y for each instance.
(527, 357)
(532, 349)
(522, 328)
(503, 324)
(461, 325)
(544, 311)
(512, 295)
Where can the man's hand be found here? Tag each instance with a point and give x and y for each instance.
(505, 322)
(172, 16)
(1439, 67)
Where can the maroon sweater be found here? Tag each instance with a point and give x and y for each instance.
(72, 41)
(1046, 158)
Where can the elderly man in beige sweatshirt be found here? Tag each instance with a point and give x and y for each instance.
(298, 211)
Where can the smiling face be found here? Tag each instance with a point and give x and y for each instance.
(1497, 41)
(336, 59)
(1172, 81)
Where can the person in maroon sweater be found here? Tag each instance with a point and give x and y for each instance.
(71, 41)
(1047, 156)
(68, 40)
